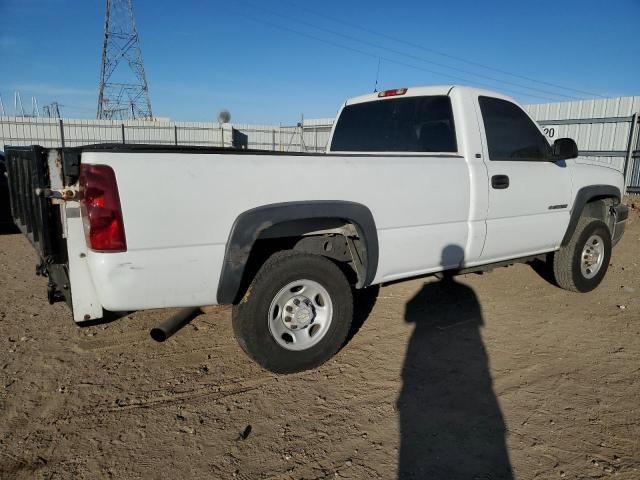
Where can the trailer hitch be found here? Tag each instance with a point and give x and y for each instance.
(62, 194)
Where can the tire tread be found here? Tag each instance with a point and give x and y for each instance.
(563, 259)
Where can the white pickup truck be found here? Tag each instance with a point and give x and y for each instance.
(414, 181)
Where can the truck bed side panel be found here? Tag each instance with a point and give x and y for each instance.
(178, 210)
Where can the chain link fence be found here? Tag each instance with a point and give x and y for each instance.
(310, 136)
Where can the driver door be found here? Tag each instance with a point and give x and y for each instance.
(529, 195)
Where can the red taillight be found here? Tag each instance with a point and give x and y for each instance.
(393, 93)
(101, 212)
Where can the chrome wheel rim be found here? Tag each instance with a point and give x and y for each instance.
(592, 256)
(300, 315)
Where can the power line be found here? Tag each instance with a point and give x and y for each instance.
(391, 60)
(443, 54)
(408, 55)
(387, 59)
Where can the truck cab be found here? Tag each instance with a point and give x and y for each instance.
(500, 189)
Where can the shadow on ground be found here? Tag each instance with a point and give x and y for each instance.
(450, 423)
(8, 229)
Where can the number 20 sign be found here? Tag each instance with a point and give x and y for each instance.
(550, 131)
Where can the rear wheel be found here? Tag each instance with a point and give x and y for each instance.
(296, 313)
(581, 265)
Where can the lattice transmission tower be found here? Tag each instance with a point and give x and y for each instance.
(123, 91)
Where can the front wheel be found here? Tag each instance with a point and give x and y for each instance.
(296, 313)
(581, 265)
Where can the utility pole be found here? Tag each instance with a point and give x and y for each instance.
(122, 92)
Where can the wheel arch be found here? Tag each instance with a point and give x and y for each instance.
(251, 224)
(584, 197)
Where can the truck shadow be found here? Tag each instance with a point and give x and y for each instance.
(364, 300)
(450, 422)
(545, 270)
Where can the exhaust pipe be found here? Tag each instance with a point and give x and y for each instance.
(174, 323)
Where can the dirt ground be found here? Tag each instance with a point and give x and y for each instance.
(487, 377)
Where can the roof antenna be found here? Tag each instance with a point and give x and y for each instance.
(375, 87)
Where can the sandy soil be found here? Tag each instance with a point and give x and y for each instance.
(488, 377)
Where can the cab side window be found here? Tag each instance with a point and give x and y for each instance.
(511, 135)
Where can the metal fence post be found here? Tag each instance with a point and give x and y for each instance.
(629, 160)
(273, 140)
(303, 147)
(61, 123)
(175, 134)
(122, 127)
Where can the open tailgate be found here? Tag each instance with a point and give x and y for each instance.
(37, 216)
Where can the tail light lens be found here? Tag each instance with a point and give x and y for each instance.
(101, 211)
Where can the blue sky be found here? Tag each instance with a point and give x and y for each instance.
(269, 61)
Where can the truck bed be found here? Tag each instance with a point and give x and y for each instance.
(32, 172)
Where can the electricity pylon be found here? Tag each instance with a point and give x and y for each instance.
(52, 110)
(123, 92)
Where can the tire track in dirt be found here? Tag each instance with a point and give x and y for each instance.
(209, 392)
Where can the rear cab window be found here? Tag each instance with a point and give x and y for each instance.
(511, 134)
(410, 124)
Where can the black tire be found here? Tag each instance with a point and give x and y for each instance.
(251, 316)
(567, 260)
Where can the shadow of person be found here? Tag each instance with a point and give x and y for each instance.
(451, 426)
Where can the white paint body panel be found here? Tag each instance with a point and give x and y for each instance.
(523, 219)
(177, 225)
(84, 298)
(179, 208)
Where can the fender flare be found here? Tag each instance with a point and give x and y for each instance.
(584, 195)
(250, 224)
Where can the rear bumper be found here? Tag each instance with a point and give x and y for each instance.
(621, 216)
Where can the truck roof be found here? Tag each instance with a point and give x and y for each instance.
(419, 91)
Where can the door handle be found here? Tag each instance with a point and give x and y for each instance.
(500, 182)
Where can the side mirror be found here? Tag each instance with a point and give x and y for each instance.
(564, 149)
